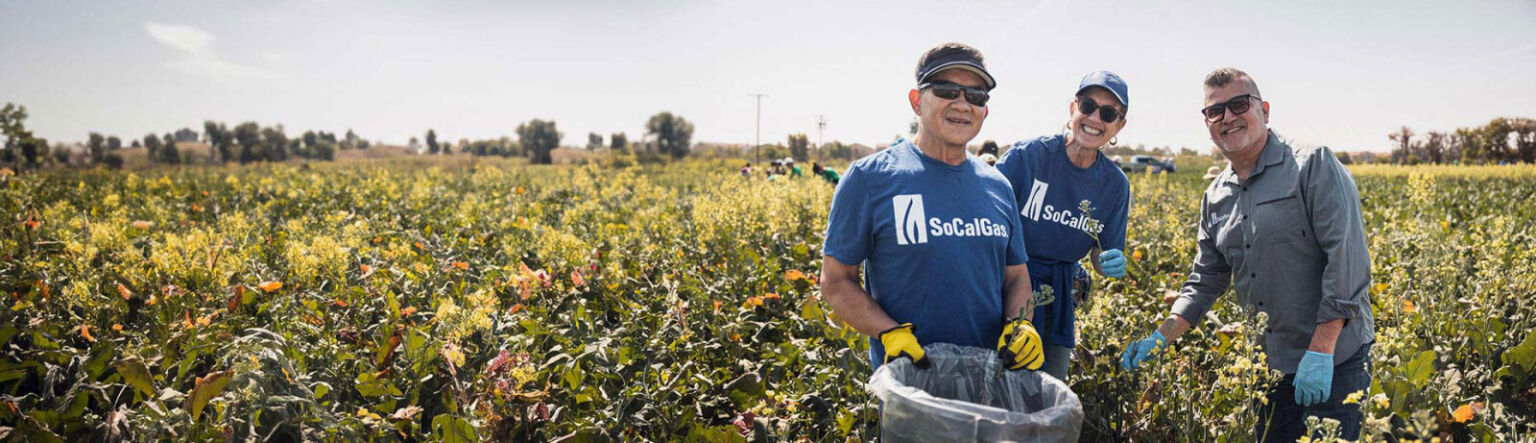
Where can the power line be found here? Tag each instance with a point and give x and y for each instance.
(758, 145)
(821, 125)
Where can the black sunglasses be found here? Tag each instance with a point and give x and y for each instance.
(1107, 113)
(1238, 105)
(950, 91)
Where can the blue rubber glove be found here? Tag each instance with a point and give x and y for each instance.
(1142, 350)
(1314, 378)
(1112, 262)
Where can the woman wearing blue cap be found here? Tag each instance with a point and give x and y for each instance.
(1074, 202)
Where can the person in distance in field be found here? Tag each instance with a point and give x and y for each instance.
(936, 230)
(828, 174)
(1281, 226)
(1074, 204)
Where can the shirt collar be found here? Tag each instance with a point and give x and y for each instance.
(1274, 153)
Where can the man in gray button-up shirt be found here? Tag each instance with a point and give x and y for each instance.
(1282, 227)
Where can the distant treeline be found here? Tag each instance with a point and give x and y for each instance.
(667, 134)
(249, 142)
(1501, 141)
(245, 143)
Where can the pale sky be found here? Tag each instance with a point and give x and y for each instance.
(1343, 74)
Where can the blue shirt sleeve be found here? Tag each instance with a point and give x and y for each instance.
(1014, 165)
(1017, 252)
(849, 226)
(1113, 236)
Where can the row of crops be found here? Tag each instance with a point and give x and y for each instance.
(492, 300)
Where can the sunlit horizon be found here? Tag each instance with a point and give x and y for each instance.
(1343, 75)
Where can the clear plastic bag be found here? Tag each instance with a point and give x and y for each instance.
(967, 395)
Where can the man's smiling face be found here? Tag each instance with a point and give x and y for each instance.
(1241, 132)
(953, 121)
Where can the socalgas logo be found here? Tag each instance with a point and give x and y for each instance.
(910, 220)
(1036, 209)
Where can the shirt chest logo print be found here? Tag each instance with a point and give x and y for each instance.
(909, 219)
(1036, 200)
(1035, 208)
(913, 226)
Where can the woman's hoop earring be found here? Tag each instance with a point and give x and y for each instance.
(1114, 141)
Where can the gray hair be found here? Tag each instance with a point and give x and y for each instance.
(1225, 76)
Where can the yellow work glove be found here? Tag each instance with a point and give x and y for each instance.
(1020, 346)
(899, 342)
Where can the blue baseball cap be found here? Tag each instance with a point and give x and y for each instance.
(1107, 80)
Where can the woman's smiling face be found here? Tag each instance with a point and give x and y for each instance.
(1091, 131)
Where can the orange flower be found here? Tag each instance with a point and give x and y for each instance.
(461, 265)
(237, 297)
(771, 296)
(1465, 413)
(123, 291)
(576, 278)
(407, 311)
(1408, 307)
(794, 274)
(524, 289)
(717, 305)
(752, 302)
(1136, 255)
(85, 331)
(117, 327)
(32, 224)
(271, 286)
(735, 337)
(515, 308)
(519, 190)
(366, 269)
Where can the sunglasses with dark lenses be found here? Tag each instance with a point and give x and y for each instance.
(1107, 113)
(951, 91)
(1238, 105)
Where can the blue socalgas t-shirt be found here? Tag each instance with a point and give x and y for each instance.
(935, 240)
(1052, 194)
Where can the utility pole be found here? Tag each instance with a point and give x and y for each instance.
(821, 125)
(758, 145)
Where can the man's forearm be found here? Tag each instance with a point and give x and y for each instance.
(856, 308)
(1175, 326)
(1017, 293)
(1326, 335)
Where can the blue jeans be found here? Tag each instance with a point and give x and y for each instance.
(1057, 360)
(1286, 421)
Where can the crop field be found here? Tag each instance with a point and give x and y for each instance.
(490, 300)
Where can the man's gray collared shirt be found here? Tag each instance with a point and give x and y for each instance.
(1290, 240)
